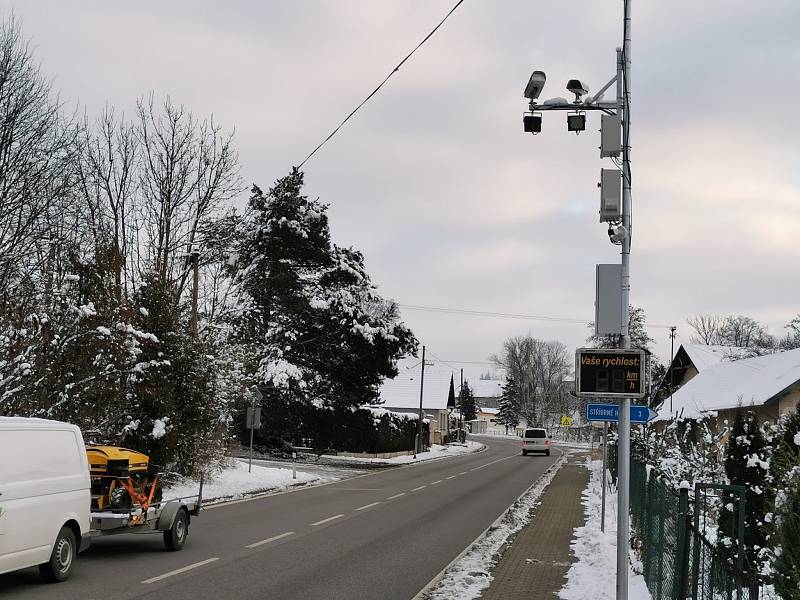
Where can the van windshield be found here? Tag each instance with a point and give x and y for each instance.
(535, 433)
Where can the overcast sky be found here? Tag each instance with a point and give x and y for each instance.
(434, 180)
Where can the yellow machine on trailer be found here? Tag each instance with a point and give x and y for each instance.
(127, 497)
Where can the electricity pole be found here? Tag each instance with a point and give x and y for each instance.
(671, 360)
(195, 290)
(418, 446)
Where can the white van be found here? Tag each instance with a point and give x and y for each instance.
(44, 496)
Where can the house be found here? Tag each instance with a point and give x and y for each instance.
(769, 385)
(689, 360)
(487, 392)
(401, 394)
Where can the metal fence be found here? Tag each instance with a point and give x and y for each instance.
(659, 518)
(678, 559)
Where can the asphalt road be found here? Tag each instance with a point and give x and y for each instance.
(382, 536)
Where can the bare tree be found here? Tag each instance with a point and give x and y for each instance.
(36, 147)
(538, 368)
(188, 169)
(707, 328)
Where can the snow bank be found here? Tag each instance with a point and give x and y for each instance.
(235, 483)
(468, 576)
(436, 451)
(592, 576)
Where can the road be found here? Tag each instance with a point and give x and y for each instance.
(382, 536)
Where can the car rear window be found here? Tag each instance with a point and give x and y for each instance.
(535, 433)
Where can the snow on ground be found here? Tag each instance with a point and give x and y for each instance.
(235, 482)
(469, 575)
(592, 576)
(436, 451)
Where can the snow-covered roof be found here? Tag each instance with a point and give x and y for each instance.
(704, 356)
(486, 388)
(490, 411)
(403, 391)
(746, 382)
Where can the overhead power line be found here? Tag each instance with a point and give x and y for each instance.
(382, 83)
(499, 315)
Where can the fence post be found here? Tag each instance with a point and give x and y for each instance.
(682, 571)
(662, 516)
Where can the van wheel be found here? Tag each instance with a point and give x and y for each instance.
(175, 537)
(59, 567)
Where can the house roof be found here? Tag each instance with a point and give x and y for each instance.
(746, 382)
(403, 391)
(704, 356)
(486, 388)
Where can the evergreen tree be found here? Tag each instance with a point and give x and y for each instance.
(468, 408)
(508, 413)
(309, 314)
(451, 395)
(746, 464)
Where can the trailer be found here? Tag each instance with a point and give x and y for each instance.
(126, 497)
(171, 518)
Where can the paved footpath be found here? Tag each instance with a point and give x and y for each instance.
(535, 565)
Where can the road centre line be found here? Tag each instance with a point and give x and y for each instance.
(368, 506)
(437, 481)
(268, 540)
(396, 496)
(416, 489)
(329, 519)
(181, 570)
(452, 477)
(463, 473)
(494, 461)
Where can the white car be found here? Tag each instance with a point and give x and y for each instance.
(535, 439)
(45, 496)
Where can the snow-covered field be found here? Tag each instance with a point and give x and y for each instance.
(468, 576)
(436, 451)
(592, 576)
(234, 483)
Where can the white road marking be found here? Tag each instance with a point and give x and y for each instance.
(437, 481)
(416, 489)
(396, 496)
(368, 506)
(181, 570)
(329, 519)
(268, 540)
(494, 461)
(452, 477)
(463, 473)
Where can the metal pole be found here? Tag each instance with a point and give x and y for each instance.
(419, 424)
(605, 468)
(624, 431)
(461, 406)
(671, 369)
(252, 428)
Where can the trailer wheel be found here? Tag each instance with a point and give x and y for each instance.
(175, 536)
(59, 567)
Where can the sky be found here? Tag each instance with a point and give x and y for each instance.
(435, 181)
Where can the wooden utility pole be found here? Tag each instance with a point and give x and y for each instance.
(195, 291)
(461, 405)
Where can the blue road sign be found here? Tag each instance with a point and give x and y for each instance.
(610, 412)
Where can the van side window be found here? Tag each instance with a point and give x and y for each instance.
(48, 454)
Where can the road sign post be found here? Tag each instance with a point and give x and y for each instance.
(253, 420)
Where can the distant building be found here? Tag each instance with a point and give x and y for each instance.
(401, 394)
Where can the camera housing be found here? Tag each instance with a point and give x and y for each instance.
(535, 85)
(577, 87)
